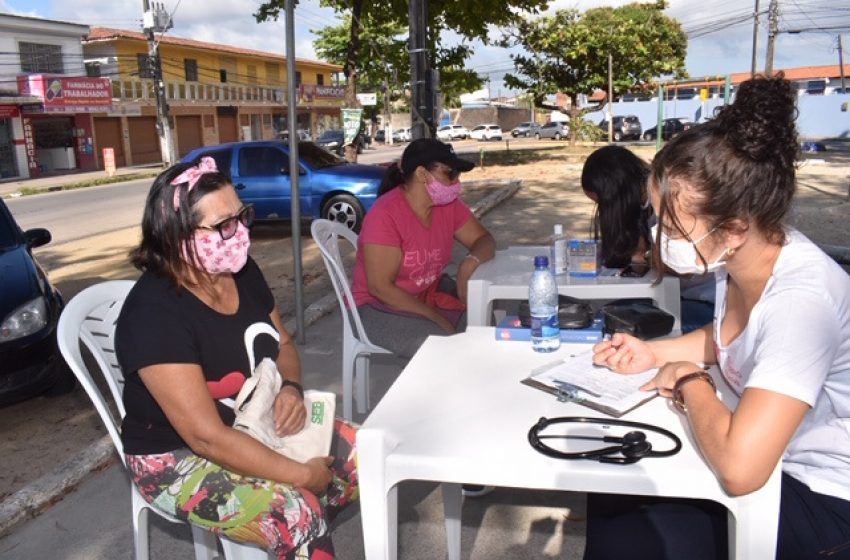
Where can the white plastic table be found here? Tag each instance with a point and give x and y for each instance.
(507, 275)
(458, 414)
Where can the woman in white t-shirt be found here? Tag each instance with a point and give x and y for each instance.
(781, 337)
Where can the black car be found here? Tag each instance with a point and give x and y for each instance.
(30, 362)
(625, 127)
(333, 141)
(669, 129)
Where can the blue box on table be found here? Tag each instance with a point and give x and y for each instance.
(510, 328)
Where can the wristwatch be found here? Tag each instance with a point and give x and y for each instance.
(678, 398)
(295, 384)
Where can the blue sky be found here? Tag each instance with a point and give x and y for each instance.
(720, 31)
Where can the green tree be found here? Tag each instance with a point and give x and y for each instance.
(567, 52)
(469, 18)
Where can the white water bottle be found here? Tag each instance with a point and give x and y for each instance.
(559, 249)
(543, 305)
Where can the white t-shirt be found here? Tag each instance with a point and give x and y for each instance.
(797, 343)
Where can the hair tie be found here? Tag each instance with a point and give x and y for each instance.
(191, 177)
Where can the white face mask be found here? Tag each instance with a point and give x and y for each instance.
(681, 255)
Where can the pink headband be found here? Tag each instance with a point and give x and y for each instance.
(191, 176)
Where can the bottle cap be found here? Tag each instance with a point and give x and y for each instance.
(559, 229)
(541, 261)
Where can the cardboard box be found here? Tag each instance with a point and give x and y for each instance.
(510, 328)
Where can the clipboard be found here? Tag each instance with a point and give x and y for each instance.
(576, 379)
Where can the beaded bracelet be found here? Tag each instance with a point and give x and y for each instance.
(678, 398)
(295, 384)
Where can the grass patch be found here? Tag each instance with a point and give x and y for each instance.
(521, 155)
(89, 183)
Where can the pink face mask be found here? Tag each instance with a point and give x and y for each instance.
(215, 255)
(443, 194)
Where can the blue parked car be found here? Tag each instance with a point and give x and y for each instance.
(30, 362)
(330, 187)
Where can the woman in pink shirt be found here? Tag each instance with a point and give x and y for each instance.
(405, 245)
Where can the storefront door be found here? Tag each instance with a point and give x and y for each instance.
(8, 163)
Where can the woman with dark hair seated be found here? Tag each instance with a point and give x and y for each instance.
(615, 179)
(405, 245)
(781, 338)
(180, 341)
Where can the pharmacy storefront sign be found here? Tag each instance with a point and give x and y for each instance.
(68, 94)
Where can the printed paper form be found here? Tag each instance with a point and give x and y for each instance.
(618, 392)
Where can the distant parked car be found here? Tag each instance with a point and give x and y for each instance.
(555, 130)
(626, 127)
(303, 135)
(330, 187)
(669, 128)
(30, 305)
(333, 141)
(381, 136)
(452, 132)
(486, 132)
(401, 135)
(525, 129)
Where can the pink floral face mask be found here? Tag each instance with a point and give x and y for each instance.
(443, 194)
(216, 255)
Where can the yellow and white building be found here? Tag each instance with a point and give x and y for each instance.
(216, 93)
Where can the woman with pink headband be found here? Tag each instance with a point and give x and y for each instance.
(180, 343)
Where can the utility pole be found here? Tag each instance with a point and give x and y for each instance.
(772, 31)
(156, 20)
(841, 64)
(755, 39)
(421, 102)
(610, 98)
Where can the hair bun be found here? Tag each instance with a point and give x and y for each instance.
(760, 123)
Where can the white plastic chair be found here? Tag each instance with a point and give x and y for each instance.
(90, 317)
(356, 347)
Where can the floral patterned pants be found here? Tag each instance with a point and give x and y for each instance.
(274, 515)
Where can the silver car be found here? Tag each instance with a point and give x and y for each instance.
(554, 129)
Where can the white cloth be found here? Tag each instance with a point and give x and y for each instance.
(255, 415)
(797, 343)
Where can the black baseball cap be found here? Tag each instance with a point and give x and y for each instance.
(424, 151)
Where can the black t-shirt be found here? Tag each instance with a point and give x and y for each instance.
(161, 324)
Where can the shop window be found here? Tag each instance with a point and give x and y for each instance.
(190, 65)
(272, 73)
(145, 67)
(320, 79)
(816, 87)
(38, 57)
(93, 69)
(222, 75)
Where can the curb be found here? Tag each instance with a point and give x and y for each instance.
(28, 502)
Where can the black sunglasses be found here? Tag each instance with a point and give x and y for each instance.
(452, 173)
(227, 227)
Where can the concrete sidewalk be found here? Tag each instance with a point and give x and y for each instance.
(94, 522)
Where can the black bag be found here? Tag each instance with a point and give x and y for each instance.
(639, 317)
(572, 313)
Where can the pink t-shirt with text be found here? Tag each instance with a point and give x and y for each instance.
(425, 250)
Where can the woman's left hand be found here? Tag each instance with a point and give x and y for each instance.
(289, 412)
(667, 376)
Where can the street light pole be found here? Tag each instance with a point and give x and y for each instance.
(841, 64)
(772, 31)
(157, 20)
(755, 39)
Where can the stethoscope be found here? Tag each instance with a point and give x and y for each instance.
(630, 447)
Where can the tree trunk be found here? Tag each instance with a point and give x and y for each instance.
(350, 71)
